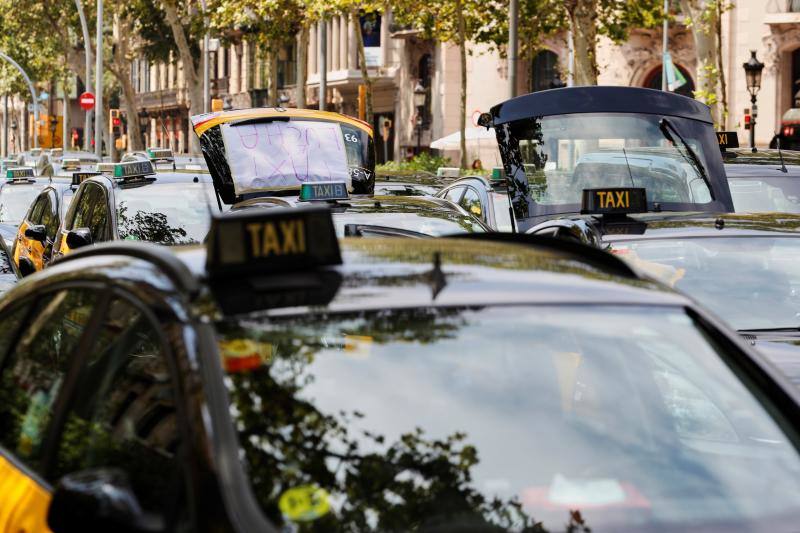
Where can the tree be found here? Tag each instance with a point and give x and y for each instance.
(450, 21)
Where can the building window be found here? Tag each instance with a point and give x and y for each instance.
(544, 72)
(653, 81)
(425, 72)
(287, 66)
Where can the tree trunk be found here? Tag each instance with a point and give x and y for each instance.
(121, 70)
(272, 68)
(723, 89)
(583, 22)
(362, 60)
(302, 67)
(190, 69)
(705, 43)
(462, 49)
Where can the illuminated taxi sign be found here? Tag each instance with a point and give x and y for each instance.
(728, 139)
(56, 152)
(71, 164)
(133, 169)
(160, 154)
(614, 200)
(19, 173)
(323, 191)
(106, 168)
(80, 177)
(271, 240)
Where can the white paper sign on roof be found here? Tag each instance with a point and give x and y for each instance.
(284, 154)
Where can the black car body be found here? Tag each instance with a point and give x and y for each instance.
(763, 181)
(468, 384)
(556, 143)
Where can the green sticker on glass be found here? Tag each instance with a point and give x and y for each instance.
(304, 503)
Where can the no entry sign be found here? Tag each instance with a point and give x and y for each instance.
(86, 101)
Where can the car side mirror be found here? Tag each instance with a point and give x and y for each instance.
(79, 237)
(37, 232)
(98, 500)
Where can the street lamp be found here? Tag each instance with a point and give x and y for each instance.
(420, 94)
(752, 71)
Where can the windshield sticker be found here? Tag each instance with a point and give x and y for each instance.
(282, 154)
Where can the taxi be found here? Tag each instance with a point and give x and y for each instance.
(18, 190)
(270, 157)
(556, 143)
(277, 379)
(132, 201)
(486, 199)
(36, 235)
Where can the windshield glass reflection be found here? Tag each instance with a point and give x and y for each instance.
(15, 201)
(750, 282)
(617, 418)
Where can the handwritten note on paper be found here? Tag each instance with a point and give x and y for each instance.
(284, 154)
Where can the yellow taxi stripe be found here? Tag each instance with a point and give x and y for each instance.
(267, 112)
(24, 502)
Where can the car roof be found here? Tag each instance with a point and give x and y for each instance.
(473, 271)
(741, 156)
(599, 99)
(692, 225)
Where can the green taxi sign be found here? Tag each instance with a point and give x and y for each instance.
(614, 200)
(333, 190)
(19, 173)
(271, 240)
(160, 154)
(133, 169)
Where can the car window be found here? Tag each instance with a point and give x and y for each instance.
(471, 202)
(82, 212)
(123, 412)
(46, 218)
(36, 210)
(454, 194)
(34, 370)
(92, 212)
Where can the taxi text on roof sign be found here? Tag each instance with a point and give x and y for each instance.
(71, 164)
(323, 191)
(80, 177)
(19, 173)
(161, 154)
(614, 200)
(728, 139)
(133, 169)
(272, 240)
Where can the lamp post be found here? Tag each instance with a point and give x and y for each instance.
(752, 71)
(420, 94)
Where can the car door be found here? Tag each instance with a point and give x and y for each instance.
(23, 245)
(476, 204)
(38, 338)
(91, 212)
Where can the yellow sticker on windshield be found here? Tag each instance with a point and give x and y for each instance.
(304, 503)
(241, 355)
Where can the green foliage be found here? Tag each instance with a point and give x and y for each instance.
(424, 162)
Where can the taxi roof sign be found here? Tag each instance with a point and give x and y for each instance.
(728, 139)
(614, 200)
(323, 191)
(71, 163)
(271, 240)
(160, 154)
(19, 173)
(80, 177)
(133, 169)
(105, 168)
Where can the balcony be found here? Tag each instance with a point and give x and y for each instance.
(783, 12)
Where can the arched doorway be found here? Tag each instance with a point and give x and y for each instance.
(544, 72)
(653, 81)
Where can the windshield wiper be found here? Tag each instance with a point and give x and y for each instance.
(358, 230)
(665, 126)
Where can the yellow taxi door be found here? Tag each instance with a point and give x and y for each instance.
(23, 500)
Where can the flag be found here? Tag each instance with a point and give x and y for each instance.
(675, 78)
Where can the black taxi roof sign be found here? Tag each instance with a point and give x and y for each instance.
(614, 200)
(323, 191)
(80, 177)
(271, 240)
(133, 169)
(727, 139)
(19, 173)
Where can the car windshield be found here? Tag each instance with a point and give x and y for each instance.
(564, 154)
(433, 223)
(501, 417)
(165, 213)
(750, 282)
(763, 195)
(15, 199)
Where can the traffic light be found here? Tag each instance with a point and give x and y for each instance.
(115, 123)
(747, 119)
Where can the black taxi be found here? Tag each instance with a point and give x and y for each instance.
(270, 157)
(133, 201)
(278, 379)
(556, 143)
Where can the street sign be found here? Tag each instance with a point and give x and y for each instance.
(86, 101)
